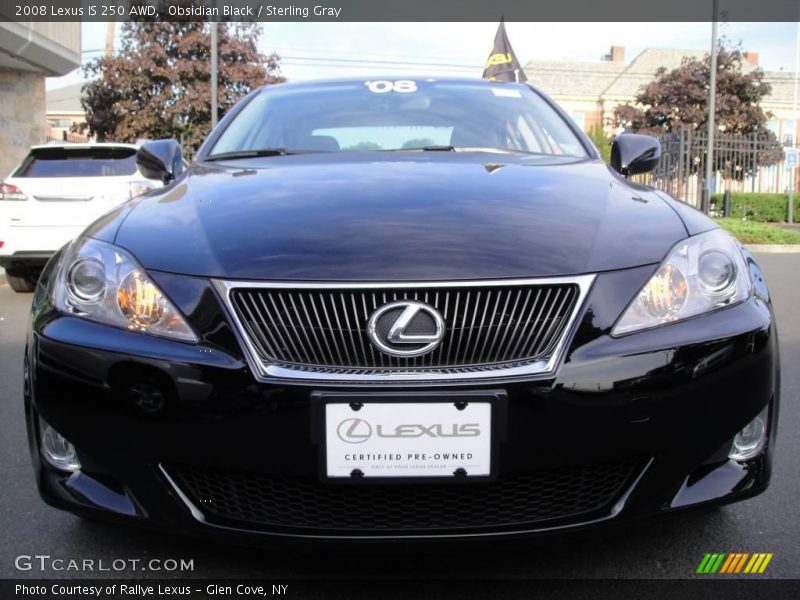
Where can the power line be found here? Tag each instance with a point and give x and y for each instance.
(417, 70)
(362, 61)
(346, 53)
(321, 61)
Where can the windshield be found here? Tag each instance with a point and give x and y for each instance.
(380, 115)
(100, 161)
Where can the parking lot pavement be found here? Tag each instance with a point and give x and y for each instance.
(669, 546)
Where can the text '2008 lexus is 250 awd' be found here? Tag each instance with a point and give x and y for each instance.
(397, 309)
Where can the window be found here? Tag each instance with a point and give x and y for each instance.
(102, 161)
(399, 115)
(61, 123)
(579, 118)
(380, 138)
(787, 129)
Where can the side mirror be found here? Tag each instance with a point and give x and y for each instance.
(160, 159)
(632, 153)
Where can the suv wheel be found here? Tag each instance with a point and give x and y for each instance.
(21, 281)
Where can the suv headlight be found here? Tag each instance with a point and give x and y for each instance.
(104, 283)
(700, 274)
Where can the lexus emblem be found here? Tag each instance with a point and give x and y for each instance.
(354, 431)
(405, 328)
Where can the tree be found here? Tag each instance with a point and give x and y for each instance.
(363, 147)
(600, 139)
(418, 143)
(679, 98)
(159, 84)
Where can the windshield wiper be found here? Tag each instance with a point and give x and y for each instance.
(445, 148)
(423, 149)
(250, 153)
(495, 150)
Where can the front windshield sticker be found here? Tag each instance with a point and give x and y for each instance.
(403, 86)
(506, 93)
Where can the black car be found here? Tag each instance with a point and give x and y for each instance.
(399, 309)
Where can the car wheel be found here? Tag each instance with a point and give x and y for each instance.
(20, 281)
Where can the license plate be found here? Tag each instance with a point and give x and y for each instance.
(408, 439)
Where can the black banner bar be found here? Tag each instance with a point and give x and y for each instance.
(730, 588)
(399, 10)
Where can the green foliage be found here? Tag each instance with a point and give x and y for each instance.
(158, 85)
(759, 207)
(363, 147)
(751, 232)
(600, 139)
(418, 143)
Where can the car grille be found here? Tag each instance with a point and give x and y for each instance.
(327, 328)
(289, 503)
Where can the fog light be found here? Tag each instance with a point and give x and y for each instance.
(750, 440)
(57, 450)
(147, 397)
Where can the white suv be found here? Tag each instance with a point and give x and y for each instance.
(54, 194)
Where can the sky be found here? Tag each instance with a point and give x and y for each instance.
(323, 50)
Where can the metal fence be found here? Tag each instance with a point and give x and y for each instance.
(741, 164)
(66, 136)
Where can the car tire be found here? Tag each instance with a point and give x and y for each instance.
(20, 281)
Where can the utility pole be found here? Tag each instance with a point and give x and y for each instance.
(712, 99)
(214, 74)
(793, 171)
(110, 32)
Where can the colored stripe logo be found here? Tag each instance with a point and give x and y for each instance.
(734, 563)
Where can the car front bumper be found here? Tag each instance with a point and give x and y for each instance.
(626, 427)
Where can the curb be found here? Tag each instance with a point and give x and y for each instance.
(2, 277)
(774, 248)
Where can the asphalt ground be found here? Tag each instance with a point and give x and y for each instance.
(669, 546)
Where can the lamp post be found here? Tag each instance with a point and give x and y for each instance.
(712, 99)
(214, 74)
(792, 170)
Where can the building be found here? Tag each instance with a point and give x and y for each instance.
(63, 111)
(590, 90)
(29, 52)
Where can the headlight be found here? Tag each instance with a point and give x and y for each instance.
(700, 274)
(103, 283)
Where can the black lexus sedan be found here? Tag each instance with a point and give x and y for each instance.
(399, 309)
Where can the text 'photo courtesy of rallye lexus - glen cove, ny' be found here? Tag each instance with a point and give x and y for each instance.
(399, 309)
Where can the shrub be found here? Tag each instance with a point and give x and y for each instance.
(600, 139)
(758, 207)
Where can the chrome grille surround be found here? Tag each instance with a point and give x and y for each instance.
(268, 299)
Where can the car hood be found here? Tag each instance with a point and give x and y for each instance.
(398, 216)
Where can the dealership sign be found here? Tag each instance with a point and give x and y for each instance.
(791, 158)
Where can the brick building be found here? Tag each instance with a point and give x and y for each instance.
(589, 90)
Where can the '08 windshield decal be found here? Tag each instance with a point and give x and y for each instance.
(382, 86)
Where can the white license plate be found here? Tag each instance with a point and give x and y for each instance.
(408, 439)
